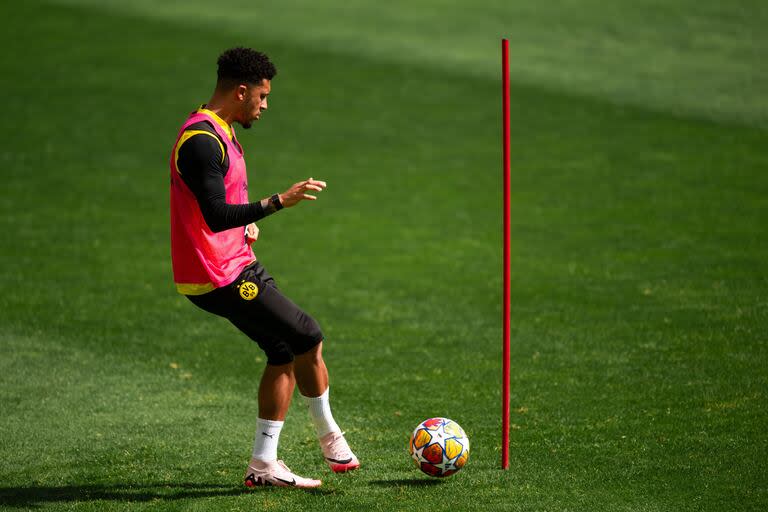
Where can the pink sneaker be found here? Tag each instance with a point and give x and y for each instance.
(337, 453)
(275, 473)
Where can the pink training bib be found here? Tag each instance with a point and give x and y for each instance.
(204, 260)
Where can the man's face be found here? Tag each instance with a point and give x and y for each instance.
(254, 101)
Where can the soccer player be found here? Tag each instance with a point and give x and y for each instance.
(212, 227)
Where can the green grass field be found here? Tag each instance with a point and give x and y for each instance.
(640, 292)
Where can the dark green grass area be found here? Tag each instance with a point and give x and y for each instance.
(640, 298)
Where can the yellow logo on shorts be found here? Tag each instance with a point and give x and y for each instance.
(248, 290)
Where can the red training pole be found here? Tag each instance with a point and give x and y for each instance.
(507, 250)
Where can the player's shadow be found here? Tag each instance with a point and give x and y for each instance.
(406, 482)
(29, 497)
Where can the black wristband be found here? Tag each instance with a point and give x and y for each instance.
(275, 200)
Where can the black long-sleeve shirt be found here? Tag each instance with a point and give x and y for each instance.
(203, 163)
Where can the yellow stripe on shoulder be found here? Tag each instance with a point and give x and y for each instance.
(213, 115)
(188, 135)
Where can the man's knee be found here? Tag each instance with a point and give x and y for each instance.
(308, 336)
(278, 356)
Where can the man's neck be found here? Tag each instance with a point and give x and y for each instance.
(221, 109)
(219, 118)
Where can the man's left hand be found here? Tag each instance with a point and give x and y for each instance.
(251, 233)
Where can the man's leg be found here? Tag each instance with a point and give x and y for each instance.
(275, 392)
(286, 332)
(257, 319)
(311, 372)
(312, 378)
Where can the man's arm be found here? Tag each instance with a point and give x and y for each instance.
(200, 162)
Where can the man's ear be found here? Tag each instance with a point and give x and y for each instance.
(241, 92)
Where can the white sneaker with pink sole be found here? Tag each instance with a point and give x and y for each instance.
(275, 473)
(337, 453)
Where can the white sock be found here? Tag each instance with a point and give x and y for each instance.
(267, 437)
(320, 412)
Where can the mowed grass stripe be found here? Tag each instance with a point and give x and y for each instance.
(685, 57)
(610, 336)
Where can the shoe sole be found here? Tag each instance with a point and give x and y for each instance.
(343, 468)
(252, 482)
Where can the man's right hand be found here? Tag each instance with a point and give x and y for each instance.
(298, 192)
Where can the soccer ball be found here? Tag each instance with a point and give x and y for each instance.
(439, 447)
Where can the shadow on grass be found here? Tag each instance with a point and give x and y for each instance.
(406, 482)
(36, 496)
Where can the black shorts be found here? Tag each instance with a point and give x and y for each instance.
(255, 306)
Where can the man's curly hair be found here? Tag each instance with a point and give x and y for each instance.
(244, 65)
